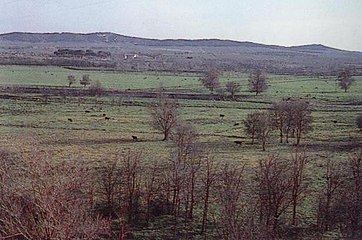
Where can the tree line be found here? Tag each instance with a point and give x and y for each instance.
(258, 82)
(191, 191)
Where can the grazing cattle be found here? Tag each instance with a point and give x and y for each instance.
(70, 120)
(236, 124)
(222, 115)
(104, 114)
(238, 142)
(335, 121)
(107, 118)
(87, 111)
(135, 138)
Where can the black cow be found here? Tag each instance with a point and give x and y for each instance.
(238, 142)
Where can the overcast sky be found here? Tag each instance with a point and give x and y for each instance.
(336, 23)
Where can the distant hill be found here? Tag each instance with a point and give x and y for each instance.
(105, 37)
(173, 54)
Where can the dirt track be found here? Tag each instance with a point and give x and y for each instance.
(10, 91)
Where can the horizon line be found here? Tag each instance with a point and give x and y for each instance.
(179, 39)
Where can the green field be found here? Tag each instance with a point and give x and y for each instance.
(34, 123)
(334, 113)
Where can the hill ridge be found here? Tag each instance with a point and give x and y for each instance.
(110, 37)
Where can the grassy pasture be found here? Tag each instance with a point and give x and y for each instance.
(31, 123)
(90, 136)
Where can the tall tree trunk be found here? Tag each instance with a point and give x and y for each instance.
(294, 211)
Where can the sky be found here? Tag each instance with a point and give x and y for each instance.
(335, 23)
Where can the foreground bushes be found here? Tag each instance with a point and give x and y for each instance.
(187, 196)
(43, 200)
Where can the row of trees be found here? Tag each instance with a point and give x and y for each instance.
(85, 81)
(257, 82)
(195, 193)
(291, 118)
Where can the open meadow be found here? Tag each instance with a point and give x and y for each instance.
(334, 113)
(96, 129)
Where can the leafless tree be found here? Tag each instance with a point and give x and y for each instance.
(50, 201)
(334, 179)
(291, 117)
(301, 118)
(230, 191)
(281, 114)
(96, 89)
(185, 166)
(109, 181)
(298, 178)
(359, 122)
(274, 187)
(155, 191)
(209, 177)
(71, 80)
(85, 80)
(345, 80)
(264, 127)
(257, 82)
(233, 88)
(250, 124)
(211, 80)
(131, 169)
(236, 203)
(353, 195)
(164, 115)
(259, 126)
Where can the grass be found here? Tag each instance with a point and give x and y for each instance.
(334, 113)
(30, 123)
(90, 135)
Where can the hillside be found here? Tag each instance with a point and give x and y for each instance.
(174, 54)
(117, 38)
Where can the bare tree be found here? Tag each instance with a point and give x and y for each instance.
(250, 124)
(209, 177)
(291, 117)
(274, 193)
(353, 196)
(131, 169)
(211, 80)
(257, 82)
(50, 201)
(301, 118)
(185, 166)
(155, 191)
(109, 181)
(281, 113)
(345, 80)
(263, 128)
(164, 115)
(71, 80)
(96, 89)
(85, 80)
(334, 179)
(233, 88)
(230, 190)
(185, 138)
(259, 125)
(359, 122)
(298, 179)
